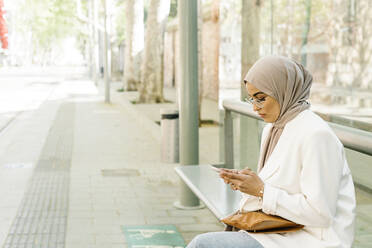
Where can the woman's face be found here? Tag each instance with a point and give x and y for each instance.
(270, 109)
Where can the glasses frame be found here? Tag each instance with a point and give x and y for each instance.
(254, 101)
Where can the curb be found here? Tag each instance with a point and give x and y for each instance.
(144, 122)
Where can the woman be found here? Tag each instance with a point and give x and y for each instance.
(302, 176)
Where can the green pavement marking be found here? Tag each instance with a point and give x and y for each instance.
(153, 236)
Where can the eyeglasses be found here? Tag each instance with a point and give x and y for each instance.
(259, 102)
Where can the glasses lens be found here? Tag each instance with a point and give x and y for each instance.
(252, 101)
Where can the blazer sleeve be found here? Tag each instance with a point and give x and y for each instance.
(322, 157)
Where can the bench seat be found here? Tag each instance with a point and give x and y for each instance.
(210, 188)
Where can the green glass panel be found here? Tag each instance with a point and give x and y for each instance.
(153, 236)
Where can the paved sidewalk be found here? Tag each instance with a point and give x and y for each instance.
(94, 167)
(117, 178)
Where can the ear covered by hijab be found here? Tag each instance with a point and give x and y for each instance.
(288, 82)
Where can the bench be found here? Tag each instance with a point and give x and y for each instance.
(218, 196)
(210, 188)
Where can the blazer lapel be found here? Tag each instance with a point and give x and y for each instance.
(270, 167)
(273, 162)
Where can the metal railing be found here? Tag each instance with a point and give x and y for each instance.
(352, 138)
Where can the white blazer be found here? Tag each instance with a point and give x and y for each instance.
(308, 181)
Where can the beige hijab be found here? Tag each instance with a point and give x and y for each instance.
(289, 83)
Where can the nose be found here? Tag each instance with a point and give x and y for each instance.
(255, 108)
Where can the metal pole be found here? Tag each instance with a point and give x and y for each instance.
(91, 40)
(95, 42)
(105, 56)
(248, 145)
(246, 15)
(221, 135)
(189, 126)
(229, 140)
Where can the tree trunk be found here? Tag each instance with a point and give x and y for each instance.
(151, 87)
(271, 26)
(306, 32)
(134, 43)
(250, 35)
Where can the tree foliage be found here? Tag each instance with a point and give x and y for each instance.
(120, 21)
(48, 22)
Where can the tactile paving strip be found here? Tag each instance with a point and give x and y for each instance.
(42, 215)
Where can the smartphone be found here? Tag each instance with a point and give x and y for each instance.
(216, 169)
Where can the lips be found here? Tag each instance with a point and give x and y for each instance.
(262, 115)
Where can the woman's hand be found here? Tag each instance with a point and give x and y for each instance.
(235, 171)
(245, 181)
